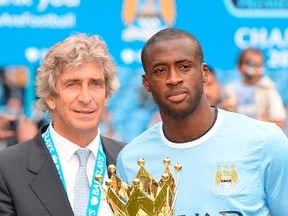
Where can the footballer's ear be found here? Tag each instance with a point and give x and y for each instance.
(145, 82)
(205, 72)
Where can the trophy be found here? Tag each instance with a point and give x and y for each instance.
(146, 196)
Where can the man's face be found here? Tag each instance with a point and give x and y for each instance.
(252, 67)
(174, 76)
(80, 101)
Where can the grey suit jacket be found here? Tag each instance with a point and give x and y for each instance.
(29, 182)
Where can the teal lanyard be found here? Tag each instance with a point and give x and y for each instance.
(100, 168)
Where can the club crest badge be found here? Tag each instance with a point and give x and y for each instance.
(143, 18)
(226, 178)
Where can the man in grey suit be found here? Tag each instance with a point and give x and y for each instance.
(39, 177)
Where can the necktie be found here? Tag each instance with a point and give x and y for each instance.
(82, 187)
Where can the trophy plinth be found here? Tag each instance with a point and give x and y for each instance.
(146, 196)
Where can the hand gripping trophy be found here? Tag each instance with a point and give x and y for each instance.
(146, 196)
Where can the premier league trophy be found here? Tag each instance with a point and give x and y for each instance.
(146, 196)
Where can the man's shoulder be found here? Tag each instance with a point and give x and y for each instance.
(265, 82)
(33, 144)
(248, 123)
(143, 140)
(18, 151)
(109, 141)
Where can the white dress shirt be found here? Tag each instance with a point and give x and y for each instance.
(70, 165)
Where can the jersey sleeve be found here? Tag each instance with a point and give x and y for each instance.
(120, 170)
(275, 171)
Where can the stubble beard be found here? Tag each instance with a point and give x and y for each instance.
(185, 110)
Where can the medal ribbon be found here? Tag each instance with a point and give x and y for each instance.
(99, 168)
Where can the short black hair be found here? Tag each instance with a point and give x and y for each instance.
(171, 34)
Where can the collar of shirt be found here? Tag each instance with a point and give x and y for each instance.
(66, 149)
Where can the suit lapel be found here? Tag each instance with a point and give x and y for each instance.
(47, 184)
(111, 148)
